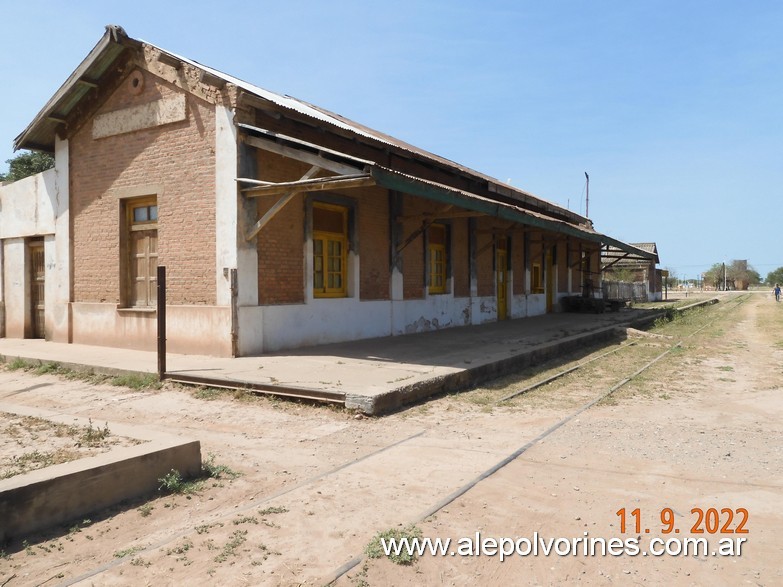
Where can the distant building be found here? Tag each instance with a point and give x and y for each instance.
(618, 264)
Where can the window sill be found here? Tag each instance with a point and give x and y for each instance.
(140, 310)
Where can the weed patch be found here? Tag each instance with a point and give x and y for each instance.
(174, 482)
(272, 510)
(238, 538)
(128, 551)
(375, 548)
(209, 393)
(214, 471)
(17, 364)
(136, 381)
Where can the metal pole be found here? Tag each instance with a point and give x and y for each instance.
(587, 196)
(161, 322)
(234, 283)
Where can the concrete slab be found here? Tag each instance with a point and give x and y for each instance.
(374, 375)
(60, 493)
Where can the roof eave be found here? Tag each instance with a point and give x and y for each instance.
(114, 35)
(397, 181)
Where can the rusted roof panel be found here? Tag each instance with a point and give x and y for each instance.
(339, 121)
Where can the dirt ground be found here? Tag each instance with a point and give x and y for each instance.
(28, 443)
(699, 429)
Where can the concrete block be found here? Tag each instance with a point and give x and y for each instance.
(58, 494)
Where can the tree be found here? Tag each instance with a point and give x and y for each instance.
(754, 278)
(739, 274)
(714, 276)
(26, 164)
(775, 276)
(623, 274)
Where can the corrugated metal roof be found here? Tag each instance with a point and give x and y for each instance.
(620, 256)
(323, 115)
(40, 133)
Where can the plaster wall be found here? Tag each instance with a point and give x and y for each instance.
(27, 206)
(16, 288)
(58, 323)
(202, 330)
(36, 206)
(231, 250)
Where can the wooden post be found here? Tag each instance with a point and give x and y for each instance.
(161, 322)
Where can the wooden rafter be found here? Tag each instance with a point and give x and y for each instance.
(496, 234)
(424, 226)
(279, 204)
(316, 158)
(310, 185)
(618, 259)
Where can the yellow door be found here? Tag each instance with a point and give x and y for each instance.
(501, 271)
(550, 282)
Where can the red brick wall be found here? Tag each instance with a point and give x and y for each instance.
(595, 267)
(518, 260)
(178, 156)
(485, 265)
(373, 232)
(281, 241)
(562, 266)
(281, 278)
(413, 254)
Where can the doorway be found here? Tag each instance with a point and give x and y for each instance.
(37, 289)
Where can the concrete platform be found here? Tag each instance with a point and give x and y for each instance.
(374, 375)
(53, 495)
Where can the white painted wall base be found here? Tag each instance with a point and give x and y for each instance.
(264, 329)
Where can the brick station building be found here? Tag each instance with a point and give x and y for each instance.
(280, 224)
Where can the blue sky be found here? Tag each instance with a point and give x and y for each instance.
(673, 107)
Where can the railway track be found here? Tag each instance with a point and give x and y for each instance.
(557, 378)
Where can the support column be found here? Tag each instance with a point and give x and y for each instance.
(61, 321)
(232, 219)
(475, 302)
(396, 283)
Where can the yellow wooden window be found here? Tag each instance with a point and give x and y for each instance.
(330, 248)
(142, 266)
(536, 282)
(436, 247)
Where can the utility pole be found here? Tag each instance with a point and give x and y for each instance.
(724, 277)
